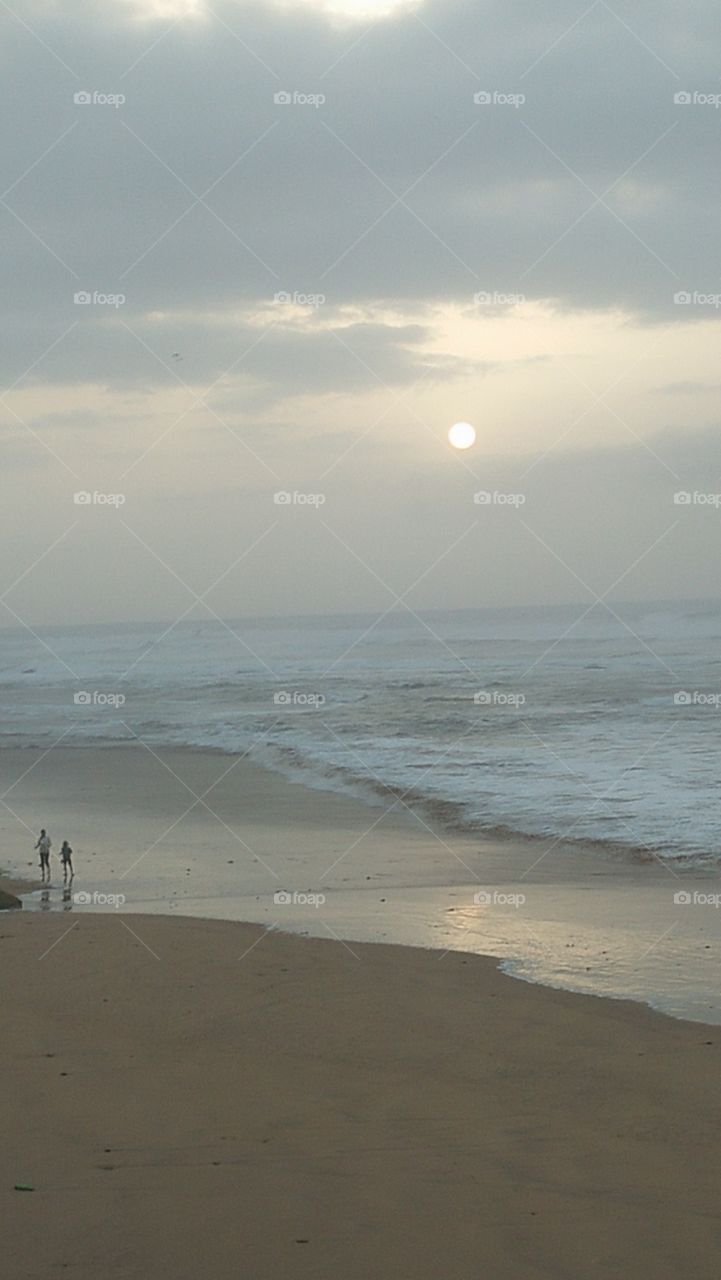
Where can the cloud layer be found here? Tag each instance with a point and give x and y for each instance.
(244, 249)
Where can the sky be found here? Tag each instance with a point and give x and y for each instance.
(259, 258)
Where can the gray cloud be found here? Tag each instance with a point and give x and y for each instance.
(490, 203)
(200, 198)
(689, 387)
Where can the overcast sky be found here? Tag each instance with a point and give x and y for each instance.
(503, 213)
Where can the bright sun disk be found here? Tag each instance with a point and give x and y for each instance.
(462, 435)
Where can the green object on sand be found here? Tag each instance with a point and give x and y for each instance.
(23, 1186)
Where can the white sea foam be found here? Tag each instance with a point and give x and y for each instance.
(487, 717)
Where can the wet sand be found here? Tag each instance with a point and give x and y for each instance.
(206, 834)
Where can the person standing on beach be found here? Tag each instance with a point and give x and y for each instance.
(43, 845)
(66, 857)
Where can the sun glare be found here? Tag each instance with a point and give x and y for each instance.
(462, 435)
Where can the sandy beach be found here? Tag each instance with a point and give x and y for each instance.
(206, 1094)
(204, 1097)
(203, 1094)
(360, 641)
(211, 835)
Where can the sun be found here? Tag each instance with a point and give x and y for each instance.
(462, 435)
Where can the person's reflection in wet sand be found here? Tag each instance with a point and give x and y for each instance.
(45, 900)
(68, 896)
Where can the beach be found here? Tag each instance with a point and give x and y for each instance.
(195, 1087)
(207, 1097)
(360, 674)
(202, 1093)
(206, 834)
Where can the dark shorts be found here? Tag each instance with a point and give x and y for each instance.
(45, 856)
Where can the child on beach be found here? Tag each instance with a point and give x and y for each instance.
(43, 845)
(66, 857)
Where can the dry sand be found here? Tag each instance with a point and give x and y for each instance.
(200, 1098)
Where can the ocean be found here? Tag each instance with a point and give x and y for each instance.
(599, 726)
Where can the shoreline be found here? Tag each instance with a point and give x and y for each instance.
(205, 1091)
(374, 797)
(177, 834)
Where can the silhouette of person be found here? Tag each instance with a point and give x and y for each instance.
(43, 845)
(66, 857)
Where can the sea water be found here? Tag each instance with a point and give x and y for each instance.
(598, 726)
